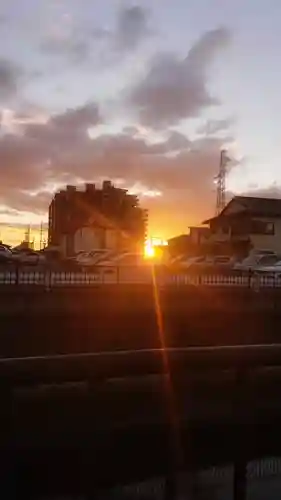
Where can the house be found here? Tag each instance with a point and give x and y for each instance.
(199, 235)
(193, 243)
(248, 223)
(179, 245)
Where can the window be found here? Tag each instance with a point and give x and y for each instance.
(261, 227)
(269, 228)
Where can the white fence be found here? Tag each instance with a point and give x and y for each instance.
(50, 279)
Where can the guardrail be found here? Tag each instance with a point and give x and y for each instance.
(96, 368)
(108, 276)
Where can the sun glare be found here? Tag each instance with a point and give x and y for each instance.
(149, 251)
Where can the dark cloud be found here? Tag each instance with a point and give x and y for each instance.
(211, 127)
(23, 169)
(185, 179)
(174, 88)
(183, 170)
(177, 141)
(78, 118)
(61, 151)
(31, 159)
(65, 130)
(132, 27)
(23, 201)
(10, 76)
(19, 156)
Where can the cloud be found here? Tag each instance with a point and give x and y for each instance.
(8, 211)
(65, 38)
(185, 179)
(22, 171)
(132, 27)
(272, 191)
(77, 44)
(174, 89)
(60, 151)
(10, 76)
(65, 130)
(75, 50)
(211, 127)
(30, 159)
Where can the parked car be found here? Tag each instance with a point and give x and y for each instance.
(124, 259)
(28, 257)
(274, 268)
(6, 255)
(92, 258)
(213, 264)
(191, 261)
(257, 261)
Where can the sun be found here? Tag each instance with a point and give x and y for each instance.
(149, 250)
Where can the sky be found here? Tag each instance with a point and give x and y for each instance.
(144, 93)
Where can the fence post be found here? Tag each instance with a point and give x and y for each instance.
(240, 479)
(17, 274)
(240, 462)
(171, 487)
(48, 280)
(250, 273)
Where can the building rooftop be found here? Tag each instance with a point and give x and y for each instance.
(260, 206)
(252, 205)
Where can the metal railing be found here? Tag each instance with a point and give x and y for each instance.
(110, 276)
(244, 361)
(145, 362)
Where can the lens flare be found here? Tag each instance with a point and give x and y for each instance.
(149, 250)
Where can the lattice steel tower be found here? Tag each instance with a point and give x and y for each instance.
(220, 204)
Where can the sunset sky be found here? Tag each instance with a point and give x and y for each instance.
(144, 93)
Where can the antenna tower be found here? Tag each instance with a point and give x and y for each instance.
(220, 204)
(27, 235)
(41, 236)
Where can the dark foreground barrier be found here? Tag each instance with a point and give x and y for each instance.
(134, 317)
(79, 424)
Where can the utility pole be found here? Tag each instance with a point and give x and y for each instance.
(220, 204)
